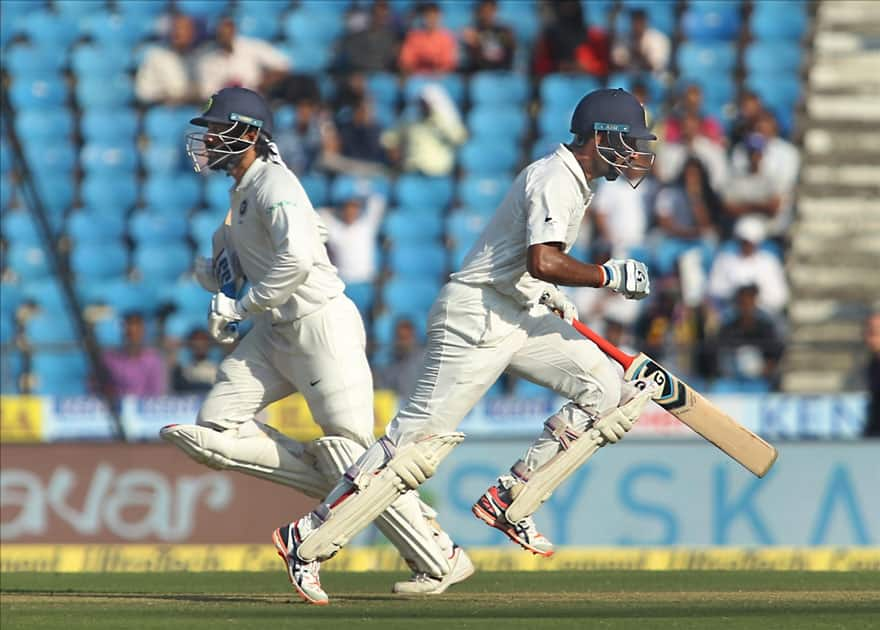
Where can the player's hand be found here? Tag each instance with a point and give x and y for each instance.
(557, 301)
(220, 329)
(629, 277)
(204, 270)
(614, 427)
(224, 311)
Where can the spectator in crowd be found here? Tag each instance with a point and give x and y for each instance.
(136, 369)
(197, 373)
(672, 154)
(406, 359)
(490, 45)
(749, 264)
(622, 214)
(233, 60)
(687, 208)
(427, 144)
(568, 44)
(371, 46)
(645, 49)
(691, 102)
(430, 47)
(313, 135)
(872, 339)
(166, 74)
(748, 110)
(640, 90)
(360, 150)
(352, 233)
(755, 191)
(658, 328)
(748, 345)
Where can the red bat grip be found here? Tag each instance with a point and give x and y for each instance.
(604, 345)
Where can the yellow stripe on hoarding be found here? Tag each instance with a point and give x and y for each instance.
(157, 558)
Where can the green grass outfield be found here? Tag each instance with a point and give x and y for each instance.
(557, 600)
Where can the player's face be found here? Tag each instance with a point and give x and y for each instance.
(216, 147)
(623, 155)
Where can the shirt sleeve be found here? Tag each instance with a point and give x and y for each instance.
(550, 203)
(291, 224)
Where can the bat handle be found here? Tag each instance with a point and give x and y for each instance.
(604, 345)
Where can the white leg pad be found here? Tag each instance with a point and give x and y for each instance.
(577, 448)
(252, 448)
(373, 491)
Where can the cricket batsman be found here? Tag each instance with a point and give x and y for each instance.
(307, 336)
(504, 311)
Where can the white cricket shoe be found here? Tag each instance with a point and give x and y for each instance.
(304, 576)
(490, 509)
(460, 569)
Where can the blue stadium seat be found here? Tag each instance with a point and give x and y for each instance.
(419, 226)
(345, 187)
(109, 91)
(711, 21)
(166, 158)
(452, 83)
(284, 117)
(779, 20)
(598, 12)
(417, 261)
(522, 17)
(109, 331)
(28, 62)
(201, 228)
(11, 368)
(117, 29)
(109, 126)
(174, 193)
(457, 255)
(28, 262)
(260, 18)
(41, 125)
(463, 228)
(656, 87)
(6, 194)
(565, 90)
(310, 55)
(18, 226)
(114, 156)
(144, 11)
(50, 328)
(168, 124)
(363, 294)
(409, 297)
(319, 23)
(180, 325)
(57, 195)
(7, 330)
(116, 193)
(101, 60)
(457, 15)
(208, 10)
(119, 294)
(60, 373)
(163, 263)
(11, 297)
(46, 28)
(499, 88)
(779, 92)
(661, 15)
(217, 193)
(5, 156)
(46, 293)
(48, 156)
(700, 59)
(317, 188)
(89, 226)
(488, 157)
(383, 88)
(555, 121)
(718, 89)
(419, 191)
(99, 261)
(37, 93)
(151, 228)
(492, 121)
(187, 296)
(772, 57)
(483, 194)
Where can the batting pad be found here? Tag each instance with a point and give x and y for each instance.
(373, 492)
(529, 496)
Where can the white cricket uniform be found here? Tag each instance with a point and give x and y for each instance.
(488, 319)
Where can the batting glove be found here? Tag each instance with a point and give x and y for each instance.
(556, 300)
(629, 277)
(224, 311)
(204, 270)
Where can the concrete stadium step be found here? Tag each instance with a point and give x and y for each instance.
(863, 175)
(852, 145)
(835, 208)
(807, 359)
(817, 311)
(813, 382)
(850, 14)
(860, 107)
(827, 332)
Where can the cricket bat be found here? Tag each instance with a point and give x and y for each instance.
(222, 265)
(679, 399)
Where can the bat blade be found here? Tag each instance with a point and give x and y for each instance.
(689, 406)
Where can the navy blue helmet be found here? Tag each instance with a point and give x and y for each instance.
(230, 114)
(616, 120)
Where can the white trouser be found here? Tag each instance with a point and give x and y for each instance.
(475, 334)
(323, 356)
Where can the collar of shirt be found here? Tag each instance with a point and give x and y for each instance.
(569, 160)
(253, 170)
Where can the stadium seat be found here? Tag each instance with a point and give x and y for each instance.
(99, 261)
(363, 294)
(144, 11)
(490, 121)
(661, 15)
(410, 227)
(109, 126)
(417, 261)
(76, 9)
(51, 156)
(565, 90)
(19, 227)
(555, 121)
(180, 325)
(88, 226)
(411, 297)
(109, 331)
(457, 15)
(45, 28)
(26, 61)
(778, 20)
(260, 18)
(46, 328)
(168, 124)
(120, 294)
(60, 373)
(772, 57)
(217, 192)
(483, 194)
(117, 29)
(174, 194)
(522, 17)
(102, 192)
(463, 228)
(492, 157)
(313, 56)
(186, 296)
(779, 92)
(37, 93)
(46, 293)
(28, 261)
(419, 191)
(163, 263)
(201, 228)
(110, 157)
(702, 59)
(166, 158)
(57, 195)
(345, 187)
(151, 228)
(711, 21)
(316, 188)
(104, 92)
(207, 10)
(452, 83)
(499, 88)
(11, 297)
(383, 88)
(11, 367)
(101, 60)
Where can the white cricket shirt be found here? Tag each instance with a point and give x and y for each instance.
(545, 204)
(280, 243)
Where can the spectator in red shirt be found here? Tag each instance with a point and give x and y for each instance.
(568, 44)
(430, 48)
(692, 103)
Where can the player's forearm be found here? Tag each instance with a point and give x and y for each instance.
(552, 265)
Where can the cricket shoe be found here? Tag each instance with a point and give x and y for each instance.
(304, 576)
(490, 509)
(460, 569)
